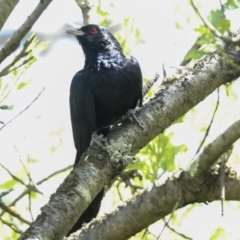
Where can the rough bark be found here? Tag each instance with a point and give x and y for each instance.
(158, 200)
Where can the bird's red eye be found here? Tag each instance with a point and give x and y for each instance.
(93, 30)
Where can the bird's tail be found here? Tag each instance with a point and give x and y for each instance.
(90, 213)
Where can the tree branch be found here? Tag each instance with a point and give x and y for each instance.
(6, 7)
(13, 213)
(88, 10)
(96, 170)
(13, 43)
(154, 203)
(29, 105)
(157, 201)
(200, 166)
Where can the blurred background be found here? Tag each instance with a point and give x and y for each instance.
(39, 141)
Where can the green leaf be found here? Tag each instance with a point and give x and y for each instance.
(101, 12)
(231, 4)
(219, 233)
(32, 160)
(22, 85)
(195, 54)
(219, 21)
(8, 184)
(177, 25)
(10, 107)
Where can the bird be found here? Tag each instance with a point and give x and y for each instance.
(108, 86)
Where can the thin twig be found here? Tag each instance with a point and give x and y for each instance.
(213, 30)
(170, 217)
(23, 109)
(144, 233)
(20, 65)
(224, 158)
(32, 188)
(12, 226)
(87, 7)
(23, 53)
(39, 183)
(13, 85)
(222, 8)
(209, 126)
(173, 230)
(13, 213)
(30, 205)
(13, 176)
(24, 167)
(2, 194)
(149, 84)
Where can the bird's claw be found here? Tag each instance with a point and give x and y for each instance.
(99, 140)
(128, 176)
(131, 114)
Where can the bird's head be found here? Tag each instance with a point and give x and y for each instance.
(95, 38)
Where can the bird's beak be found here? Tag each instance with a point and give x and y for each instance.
(75, 32)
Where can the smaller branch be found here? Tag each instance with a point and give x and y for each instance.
(145, 232)
(22, 54)
(53, 174)
(13, 176)
(32, 188)
(222, 8)
(30, 205)
(13, 85)
(149, 84)
(13, 43)
(170, 217)
(24, 167)
(2, 194)
(149, 233)
(87, 7)
(200, 166)
(20, 65)
(224, 158)
(13, 213)
(173, 230)
(12, 226)
(23, 110)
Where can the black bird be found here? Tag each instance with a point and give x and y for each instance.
(108, 86)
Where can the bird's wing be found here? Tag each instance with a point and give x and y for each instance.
(81, 125)
(90, 107)
(134, 69)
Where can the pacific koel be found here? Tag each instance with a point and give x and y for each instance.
(109, 85)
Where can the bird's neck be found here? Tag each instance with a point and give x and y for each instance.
(106, 58)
